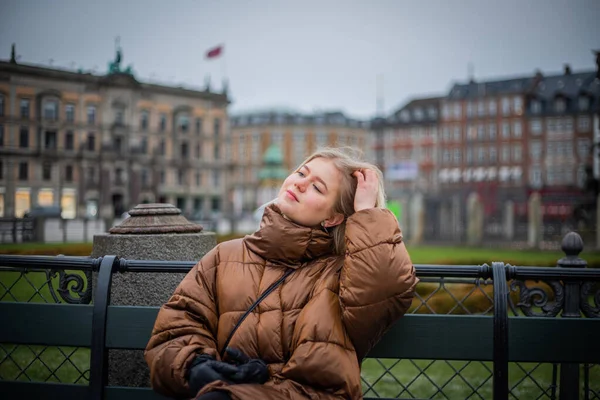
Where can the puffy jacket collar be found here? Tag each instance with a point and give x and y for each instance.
(282, 241)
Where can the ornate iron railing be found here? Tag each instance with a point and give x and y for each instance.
(568, 291)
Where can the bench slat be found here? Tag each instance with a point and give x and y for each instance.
(538, 339)
(43, 390)
(49, 324)
(450, 337)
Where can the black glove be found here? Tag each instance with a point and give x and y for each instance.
(249, 370)
(205, 369)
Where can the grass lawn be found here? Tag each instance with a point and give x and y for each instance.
(419, 254)
(416, 378)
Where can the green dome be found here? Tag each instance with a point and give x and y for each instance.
(273, 161)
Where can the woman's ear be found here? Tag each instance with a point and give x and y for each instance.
(334, 220)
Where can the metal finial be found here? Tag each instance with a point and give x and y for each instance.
(572, 244)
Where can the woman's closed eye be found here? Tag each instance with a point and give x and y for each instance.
(317, 189)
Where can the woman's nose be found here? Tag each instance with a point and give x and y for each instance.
(300, 184)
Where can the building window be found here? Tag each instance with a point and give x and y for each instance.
(119, 116)
(91, 115)
(492, 107)
(180, 177)
(517, 129)
(69, 173)
(583, 148)
(535, 177)
(517, 152)
(198, 179)
(1, 174)
(24, 137)
(216, 177)
(584, 103)
(446, 156)
(217, 151)
(481, 132)
(183, 123)
(1, 135)
(470, 109)
(144, 120)
(505, 155)
(583, 123)
(23, 171)
(560, 105)
(457, 110)
(480, 108)
(215, 205)
(505, 130)
(518, 105)
(457, 156)
(70, 112)
(469, 156)
(50, 140)
(184, 150)
(198, 126)
(505, 106)
(91, 142)
(217, 127)
(457, 133)
(405, 116)
(568, 125)
(1, 105)
(163, 177)
(24, 108)
(493, 154)
(481, 154)
(144, 145)
(198, 151)
(144, 178)
(91, 174)
(492, 131)
(418, 112)
(536, 108)
(162, 122)
(161, 147)
(535, 150)
(431, 112)
(46, 171)
(535, 126)
(51, 110)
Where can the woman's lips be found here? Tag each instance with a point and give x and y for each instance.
(292, 195)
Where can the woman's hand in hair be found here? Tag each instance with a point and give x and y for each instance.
(366, 189)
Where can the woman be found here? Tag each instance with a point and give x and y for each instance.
(350, 278)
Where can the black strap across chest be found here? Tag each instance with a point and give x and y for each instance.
(254, 305)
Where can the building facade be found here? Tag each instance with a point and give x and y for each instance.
(97, 145)
(498, 142)
(295, 135)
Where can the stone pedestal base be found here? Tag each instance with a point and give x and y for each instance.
(127, 367)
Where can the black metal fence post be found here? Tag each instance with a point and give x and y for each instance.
(572, 245)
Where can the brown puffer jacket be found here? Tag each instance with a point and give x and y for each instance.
(312, 331)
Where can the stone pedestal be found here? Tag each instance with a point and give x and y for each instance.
(153, 232)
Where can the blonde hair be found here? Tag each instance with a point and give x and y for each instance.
(347, 160)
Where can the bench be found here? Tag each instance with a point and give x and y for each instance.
(569, 342)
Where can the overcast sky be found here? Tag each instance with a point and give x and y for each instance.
(309, 54)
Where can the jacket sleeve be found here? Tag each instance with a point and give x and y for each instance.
(185, 326)
(377, 280)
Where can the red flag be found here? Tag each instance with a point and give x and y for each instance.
(214, 52)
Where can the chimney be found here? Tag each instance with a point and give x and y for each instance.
(567, 69)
